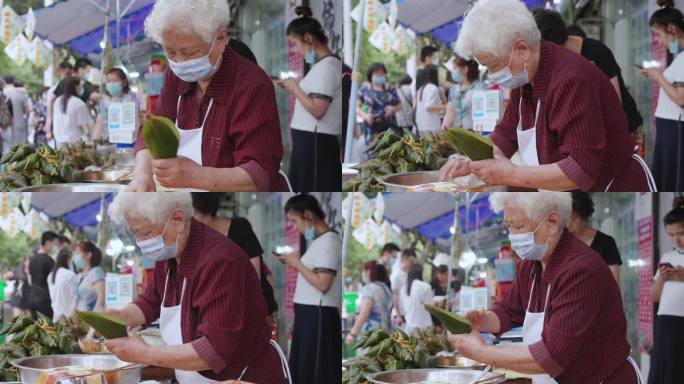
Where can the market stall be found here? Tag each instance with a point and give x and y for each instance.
(456, 230)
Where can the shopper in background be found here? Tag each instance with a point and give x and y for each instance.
(64, 70)
(20, 297)
(667, 24)
(71, 117)
(429, 55)
(406, 116)
(668, 292)
(439, 288)
(429, 103)
(564, 118)
(378, 103)
(66, 243)
(238, 229)
(604, 245)
(91, 279)
(316, 351)
(317, 120)
(398, 280)
(61, 286)
(40, 266)
(389, 257)
(118, 90)
(21, 107)
(376, 302)
(466, 76)
(412, 298)
(553, 29)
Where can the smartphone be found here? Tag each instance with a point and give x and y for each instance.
(666, 265)
(274, 77)
(639, 66)
(282, 250)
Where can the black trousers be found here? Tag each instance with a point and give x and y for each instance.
(316, 352)
(315, 164)
(668, 156)
(667, 355)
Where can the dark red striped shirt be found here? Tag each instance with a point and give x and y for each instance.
(243, 127)
(584, 339)
(223, 312)
(582, 126)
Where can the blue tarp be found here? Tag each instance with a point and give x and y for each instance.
(81, 217)
(479, 215)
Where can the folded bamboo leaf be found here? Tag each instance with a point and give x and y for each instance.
(452, 322)
(108, 326)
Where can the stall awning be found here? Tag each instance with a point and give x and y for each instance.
(80, 23)
(78, 209)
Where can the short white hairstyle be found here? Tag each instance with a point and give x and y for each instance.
(156, 207)
(492, 26)
(203, 17)
(536, 205)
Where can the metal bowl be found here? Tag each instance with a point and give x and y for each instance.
(458, 362)
(404, 182)
(118, 176)
(434, 376)
(75, 188)
(30, 368)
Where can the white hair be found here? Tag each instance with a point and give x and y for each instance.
(492, 26)
(156, 207)
(536, 205)
(203, 17)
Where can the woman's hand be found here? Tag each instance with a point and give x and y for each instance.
(455, 167)
(477, 318)
(493, 171)
(468, 344)
(142, 183)
(180, 172)
(654, 74)
(349, 340)
(289, 85)
(290, 259)
(131, 349)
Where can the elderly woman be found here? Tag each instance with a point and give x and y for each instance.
(565, 119)
(564, 297)
(223, 105)
(205, 295)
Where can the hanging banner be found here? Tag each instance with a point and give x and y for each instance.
(361, 211)
(393, 13)
(366, 234)
(379, 208)
(4, 204)
(374, 16)
(39, 54)
(383, 38)
(18, 49)
(400, 45)
(11, 25)
(30, 27)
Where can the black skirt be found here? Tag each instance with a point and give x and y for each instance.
(316, 352)
(315, 164)
(668, 156)
(667, 355)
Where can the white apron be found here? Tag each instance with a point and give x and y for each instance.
(170, 327)
(190, 144)
(533, 325)
(527, 147)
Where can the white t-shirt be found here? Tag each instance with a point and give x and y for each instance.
(324, 252)
(668, 109)
(68, 127)
(324, 80)
(397, 280)
(414, 312)
(672, 297)
(62, 292)
(428, 121)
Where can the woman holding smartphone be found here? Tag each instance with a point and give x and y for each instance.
(668, 291)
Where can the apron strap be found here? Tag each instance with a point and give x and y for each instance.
(640, 380)
(166, 283)
(536, 115)
(529, 301)
(206, 115)
(283, 361)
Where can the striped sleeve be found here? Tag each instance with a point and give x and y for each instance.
(166, 104)
(505, 135)
(222, 307)
(511, 309)
(577, 297)
(576, 118)
(150, 301)
(255, 131)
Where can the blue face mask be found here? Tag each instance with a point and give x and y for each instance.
(523, 244)
(673, 47)
(506, 79)
(114, 89)
(379, 80)
(310, 57)
(194, 70)
(309, 234)
(456, 77)
(679, 250)
(79, 262)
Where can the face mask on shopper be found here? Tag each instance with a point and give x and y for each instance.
(154, 248)
(79, 262)
(310, 57)
(309, 234)
(456, 77)
(523, 244)
(114, 89)
(506, 79)
(194, 70)
(379, 80)
(673, 47)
